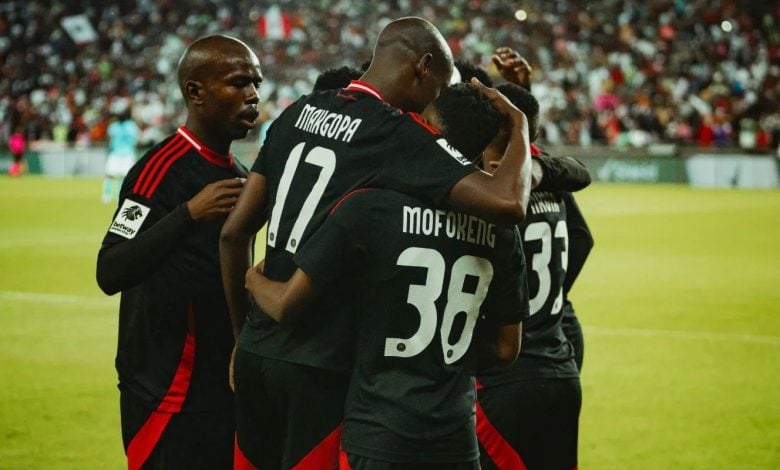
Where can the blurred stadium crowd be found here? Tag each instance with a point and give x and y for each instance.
(618, 72)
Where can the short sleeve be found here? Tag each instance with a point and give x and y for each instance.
(259, 166)
(508, 295)
(428, 171)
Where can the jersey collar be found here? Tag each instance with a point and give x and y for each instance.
(205, 152)
(358, 85)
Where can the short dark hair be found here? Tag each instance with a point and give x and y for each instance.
(337, 77)
(468, 70)
(525, 102)
(470, 121)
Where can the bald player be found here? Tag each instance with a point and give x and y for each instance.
(161, 252)
(290, 381)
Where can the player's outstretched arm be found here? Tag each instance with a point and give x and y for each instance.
(282, 301)
(235, 246)
(124, 263)
(502, 197)
(559, 174)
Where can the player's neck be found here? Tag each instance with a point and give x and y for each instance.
(216, 143)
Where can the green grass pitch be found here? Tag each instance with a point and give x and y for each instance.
(679, 300)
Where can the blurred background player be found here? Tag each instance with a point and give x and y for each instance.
(17, 143)
(161, 252)
(305, 166)
(122, 141)
(420, 298)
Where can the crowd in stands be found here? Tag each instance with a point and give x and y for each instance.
(618, 72)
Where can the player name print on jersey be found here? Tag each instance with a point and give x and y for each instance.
(129, 219)
(436, 222)
(327, 124)
(544, 202)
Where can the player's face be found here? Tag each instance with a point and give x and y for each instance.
(494, 152)
(232, 94)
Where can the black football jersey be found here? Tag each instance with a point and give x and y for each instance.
(421, 279)
(175, 336)
(322, 147)
(545, 352)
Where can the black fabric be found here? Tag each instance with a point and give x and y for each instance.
(387, 149)
(562, 174)
(580, 241)
(538, 418)
(419, 271)
(191, 441)
(169, 276)
(358, 462)
(278, 425)
(545, 351)
(571, 327)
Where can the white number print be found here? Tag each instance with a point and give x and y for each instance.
(541, 262)
(318, 156)
(423, 298)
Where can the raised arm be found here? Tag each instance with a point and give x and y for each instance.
(235, 246)
(125, 262)
(502, 197)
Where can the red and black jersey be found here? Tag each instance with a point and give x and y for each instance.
(175, 337)
(422, 280)
(323, 146)
(545, 352)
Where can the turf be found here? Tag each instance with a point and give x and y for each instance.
(679, 301)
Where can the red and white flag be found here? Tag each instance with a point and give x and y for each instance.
(274, 24)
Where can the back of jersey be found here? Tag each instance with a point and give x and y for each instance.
(423, 278)
(545, 351)
(322, 147)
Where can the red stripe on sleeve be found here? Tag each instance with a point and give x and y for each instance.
(143, 443)
(147, 193)
(498, 449)
(325, 455)
(154, 161)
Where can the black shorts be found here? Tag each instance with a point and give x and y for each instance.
(358, 462)
(171, 441)
(529, 424)
(571, 327)
(288, 415)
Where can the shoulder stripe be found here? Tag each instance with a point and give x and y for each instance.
(347, 196)
(419, 120)
(150, 191)
(159, 163)
(154, 162)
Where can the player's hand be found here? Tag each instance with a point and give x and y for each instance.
(516, 118)
(215, 200)
(513, 67)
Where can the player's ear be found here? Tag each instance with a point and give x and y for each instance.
(193, 91)
(423, 65)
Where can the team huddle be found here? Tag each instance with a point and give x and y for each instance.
(411, 308)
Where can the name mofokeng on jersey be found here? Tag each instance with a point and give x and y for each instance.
(437, 222)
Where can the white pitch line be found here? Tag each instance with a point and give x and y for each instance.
(689, 335)
(59, 298)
